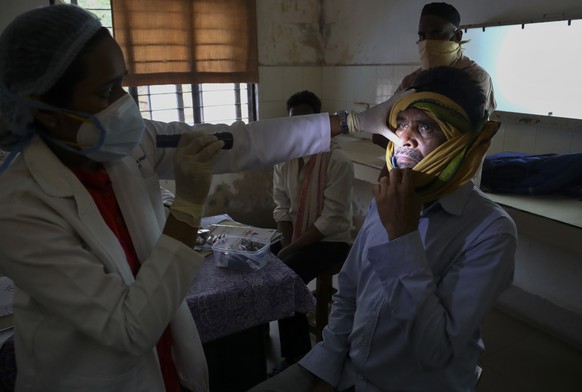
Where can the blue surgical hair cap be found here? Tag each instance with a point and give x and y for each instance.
(36, 49)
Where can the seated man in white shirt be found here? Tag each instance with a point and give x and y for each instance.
(432, 256)
(313, 198)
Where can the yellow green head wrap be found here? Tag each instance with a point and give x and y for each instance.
(454, 162)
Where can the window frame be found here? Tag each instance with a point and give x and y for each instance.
(198, 102)
(196, 89)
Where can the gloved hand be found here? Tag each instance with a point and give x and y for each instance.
(374, 120)
(193, 163)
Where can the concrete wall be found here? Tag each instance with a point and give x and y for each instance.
(372, 32)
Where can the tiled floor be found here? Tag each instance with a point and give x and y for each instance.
(518, 358)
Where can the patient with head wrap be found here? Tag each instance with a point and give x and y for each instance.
(432, 256)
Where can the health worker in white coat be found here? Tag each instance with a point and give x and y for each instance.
(100, 272)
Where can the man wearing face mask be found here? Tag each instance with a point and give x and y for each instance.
(440, 44)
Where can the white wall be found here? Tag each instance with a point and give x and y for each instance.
(349, 32)
(371, 41)
(12, 8)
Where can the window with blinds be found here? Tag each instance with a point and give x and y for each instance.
(225, 102)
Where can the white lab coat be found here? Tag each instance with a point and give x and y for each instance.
(82, 322)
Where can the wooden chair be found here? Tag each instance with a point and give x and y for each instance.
(324, 290)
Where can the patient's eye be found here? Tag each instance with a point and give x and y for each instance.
(402, 126)
(425, 129)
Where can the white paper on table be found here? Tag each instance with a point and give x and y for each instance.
(207, 221)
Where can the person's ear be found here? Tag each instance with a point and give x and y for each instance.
(457, 35)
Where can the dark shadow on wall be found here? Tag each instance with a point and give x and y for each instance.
(246, 196)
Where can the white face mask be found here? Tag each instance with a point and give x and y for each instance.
(436, 53)
(113, 132)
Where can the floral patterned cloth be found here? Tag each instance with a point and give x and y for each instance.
(224, 301)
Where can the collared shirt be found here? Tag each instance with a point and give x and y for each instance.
(408, 312)
(335, 220)
(476, 73)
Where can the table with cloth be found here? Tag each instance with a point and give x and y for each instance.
(232, 309)
(224, 301)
